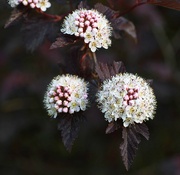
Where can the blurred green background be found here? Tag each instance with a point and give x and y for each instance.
(29, 141)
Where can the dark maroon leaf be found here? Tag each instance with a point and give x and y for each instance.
(16, 15)
(109, 13)
(121, 24)
(173, 4)
(36, 29)
(106, 71)
(83, 5)
(131, 139)
(113, 126)
(142, 129)
(69, 126)
(62, 41)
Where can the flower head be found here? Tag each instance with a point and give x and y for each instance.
(91, 25)
(40, 4)
(127, 97)
(66, 94)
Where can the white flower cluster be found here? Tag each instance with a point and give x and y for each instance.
(90, 25)
(66, 94)
(40, 4)
(127, 97)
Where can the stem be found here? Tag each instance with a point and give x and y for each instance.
(56, 18)
(94, 57)
(131, 8)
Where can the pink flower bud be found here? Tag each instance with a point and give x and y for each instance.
(81, 19)
(91, 20)
(76, 23)
(59, 102)
(29, 1)
(126, 97)
(71, 111)
(69, 98)
(87, 23)
(56, 106)
(65, 103)
(131, 91)
(60, 110)
(130, 97)
(95, 24)
(65, 110)
(77, 18)
(125, 103)
(135, 95)
(81, 24)
(58, 91)
(35, 1)
(66, 95)
(32, 5)
(82, 35)
(80, 30)
(56, 98)
(61, 94)
(89, 28)
(76, 34)
(89, 17)
(51, 100)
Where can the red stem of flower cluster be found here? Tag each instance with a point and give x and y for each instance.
(55, 18)
(131, 8)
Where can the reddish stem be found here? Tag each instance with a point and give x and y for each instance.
(131, 8)
(55, 18)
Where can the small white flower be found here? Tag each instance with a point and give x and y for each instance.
(43, 5)
(13, 3)
(93, 45)
(90, 25)
(127, 97)
(66, 94)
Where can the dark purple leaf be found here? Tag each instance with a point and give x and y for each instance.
(36, 29)
(62, 41)
(113, 126)
(16, 15)
(83, 5)
(173, 4)
(131, 139)
(121, 24)
(109, 13)
(69, 126)
(106, 71)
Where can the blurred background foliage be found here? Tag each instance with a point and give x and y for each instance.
(29, 141)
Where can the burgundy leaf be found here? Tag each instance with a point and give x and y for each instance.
(83, 5)
(36, 29)
(173, 4)
(69, 126)
(131, 139)
(62, 41)
(121, 24)
(106, 71)
(109, 13)
(113, 126)
(16, 15)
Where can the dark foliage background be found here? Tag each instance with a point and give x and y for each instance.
(30, 142)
